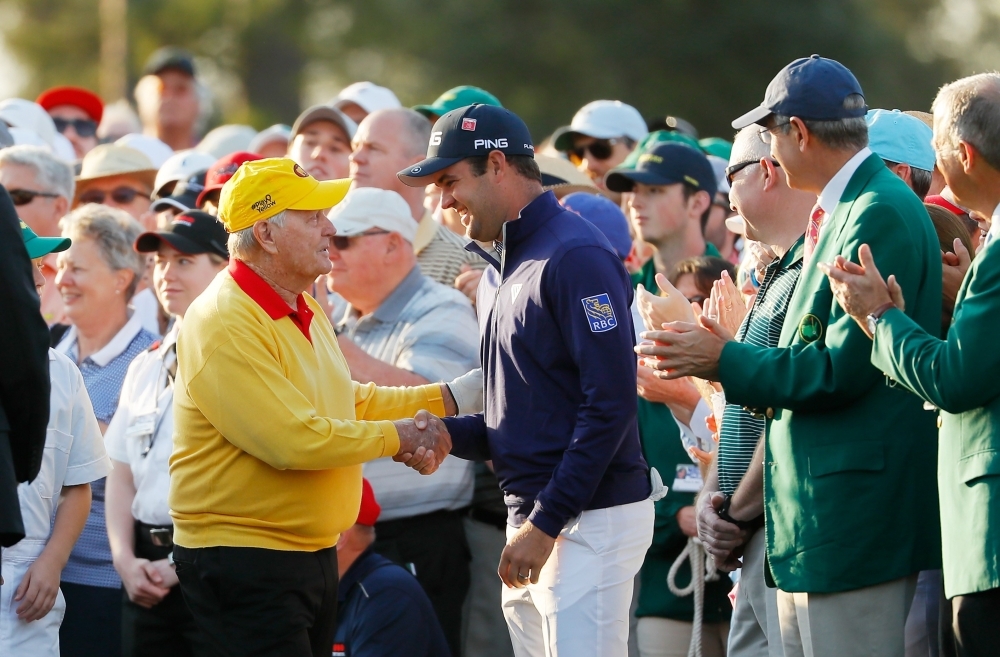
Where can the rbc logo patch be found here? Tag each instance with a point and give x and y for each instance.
(600, 314)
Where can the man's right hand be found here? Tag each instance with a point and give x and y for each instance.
(720, 538)
(424, 442)
(143, 583)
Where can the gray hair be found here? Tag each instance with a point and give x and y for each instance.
(114, 231)
(840, 133)
(242, 243)
(969, 110)
(748, 146)
(51, 174)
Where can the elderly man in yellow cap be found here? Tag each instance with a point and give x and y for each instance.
(270, 431)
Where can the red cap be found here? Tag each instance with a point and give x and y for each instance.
(223, 170)
(944, 203)
(88, 101)
(368, 515)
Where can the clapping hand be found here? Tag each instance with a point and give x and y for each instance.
(726, 305)
(656, 311)
(424, 442)
(953, 268)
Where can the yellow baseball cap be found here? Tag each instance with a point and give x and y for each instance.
(261, 189)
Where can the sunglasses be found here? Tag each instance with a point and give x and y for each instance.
(26, 196)
(83, 127)
(120, 195)
(733, 169)
(342, 243)
(599, 150)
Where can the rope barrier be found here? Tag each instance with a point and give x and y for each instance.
(702, 570)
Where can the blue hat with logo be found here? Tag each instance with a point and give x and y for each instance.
(900, 138)
(666, 163)
(812, 88)
(471, 131)
(606, 215)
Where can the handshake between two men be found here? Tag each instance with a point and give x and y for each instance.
(424, 442)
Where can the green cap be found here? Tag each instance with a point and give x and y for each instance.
(651, 140)
(42, 246)
(717, 146)
(458, 97)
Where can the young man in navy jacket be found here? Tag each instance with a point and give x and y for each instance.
(560, 405)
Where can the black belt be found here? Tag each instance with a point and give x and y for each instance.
(479, 514)
(158, 535)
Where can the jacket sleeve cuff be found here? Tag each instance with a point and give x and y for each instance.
(546, 520)
(435, 401)
(390, 438)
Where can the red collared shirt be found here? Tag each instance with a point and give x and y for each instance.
(265, 296)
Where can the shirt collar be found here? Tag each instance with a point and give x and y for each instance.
(533, 215)
(357, 571)
(994, 231)
(834, 189)
(427, 228)
(123, 338)
(264, 295)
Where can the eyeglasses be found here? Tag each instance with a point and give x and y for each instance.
(342, 243)
(120, 195)
(765, 134)
(83, 127)
(599, 150)
(26, 196)
(733, 169)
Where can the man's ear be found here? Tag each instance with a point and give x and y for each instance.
(60, 206)
(700, 202)
(967, 155)
(799, 132)
(263, 232)
(770, 172)
(497, 164)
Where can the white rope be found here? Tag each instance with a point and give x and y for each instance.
(702, 570)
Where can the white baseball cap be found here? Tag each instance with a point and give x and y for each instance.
(602, 119)
(181, 166)
(365, 208)
(368, 96)
(26, 115)
(719, 166)
(157, 152)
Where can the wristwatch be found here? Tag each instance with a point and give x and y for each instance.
(876, 316)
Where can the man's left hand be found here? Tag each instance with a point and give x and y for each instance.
(525, 554)
(859, 289)
(686, 349)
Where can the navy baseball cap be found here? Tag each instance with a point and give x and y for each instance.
(190, 232)
(470, 132)
(667, 163)
(812, 88)
(607, 216)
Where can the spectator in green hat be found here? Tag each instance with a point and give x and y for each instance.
(454, 98)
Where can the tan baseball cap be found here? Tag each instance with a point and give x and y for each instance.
(110, 160)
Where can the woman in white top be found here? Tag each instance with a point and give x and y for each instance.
(155, 620)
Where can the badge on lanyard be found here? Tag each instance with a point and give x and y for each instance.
(142, 425)
(687, 478)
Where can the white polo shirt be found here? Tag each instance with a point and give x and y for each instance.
(74, 449)
(141, 433)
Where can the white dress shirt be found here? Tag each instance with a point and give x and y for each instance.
(834, 189)
(141, 433)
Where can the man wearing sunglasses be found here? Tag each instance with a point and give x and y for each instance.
(41, 187)
(841, 438)
(116, 176)
(76, 113)
(600, 137)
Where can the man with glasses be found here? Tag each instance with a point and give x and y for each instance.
(775, 215)
(117, 176)
(849, 492)
(600, 137)
(76, 113)
(405, 329)
(41, 186)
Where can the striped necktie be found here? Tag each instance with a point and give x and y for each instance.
(812, 230)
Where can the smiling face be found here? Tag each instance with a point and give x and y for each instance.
(88, 286)
(178, 278)
(475, 199)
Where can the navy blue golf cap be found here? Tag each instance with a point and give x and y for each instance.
(812, 88)
(667, 163)
(470, 131)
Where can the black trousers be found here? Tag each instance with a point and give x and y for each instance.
(93, 621)
(975, 620)
(252, 602)
(434, 548)
(166, 629)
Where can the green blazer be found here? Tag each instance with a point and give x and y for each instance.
(961, 376)
(849, 484)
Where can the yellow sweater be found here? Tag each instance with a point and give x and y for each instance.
(269, 430)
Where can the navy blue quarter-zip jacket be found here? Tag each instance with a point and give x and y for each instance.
(559, 370)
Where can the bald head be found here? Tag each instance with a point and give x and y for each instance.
(388, 141)
(748, 147)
